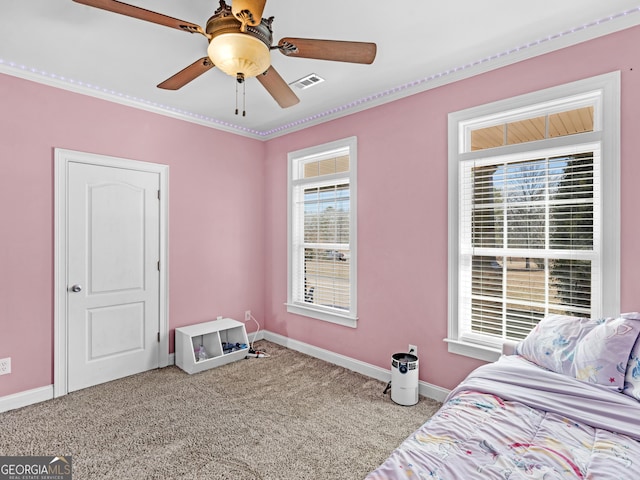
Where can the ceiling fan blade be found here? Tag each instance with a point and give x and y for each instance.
(142, 14)
(187, 74)
(335, 50)
(278, 88)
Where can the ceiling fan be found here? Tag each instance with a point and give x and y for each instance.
(240, 42)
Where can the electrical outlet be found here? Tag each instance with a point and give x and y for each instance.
(5, 366)
(413, 349)
(247, 315)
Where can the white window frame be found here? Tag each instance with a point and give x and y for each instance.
(606, 134)
(347, 318)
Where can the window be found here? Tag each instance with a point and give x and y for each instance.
(322, 232)
(533, 213)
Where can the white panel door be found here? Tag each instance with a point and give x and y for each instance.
(113, 291)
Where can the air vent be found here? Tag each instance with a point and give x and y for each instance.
(308, 81)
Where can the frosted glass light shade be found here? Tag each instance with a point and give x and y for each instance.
(235, 53)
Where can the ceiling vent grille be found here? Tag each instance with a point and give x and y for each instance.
(308, 81)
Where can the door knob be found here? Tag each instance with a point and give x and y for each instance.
(76, 288)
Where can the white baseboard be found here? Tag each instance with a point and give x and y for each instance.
(425, 389)
(28, 397)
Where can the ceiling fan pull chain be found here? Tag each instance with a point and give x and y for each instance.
(244, 101)
(237, 98)
(240, 80)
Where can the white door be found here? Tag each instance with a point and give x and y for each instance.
(113, 244)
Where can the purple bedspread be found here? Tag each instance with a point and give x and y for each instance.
(514, 420)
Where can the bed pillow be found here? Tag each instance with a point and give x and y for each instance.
(552, 343)
(632, 375)
(594, 351)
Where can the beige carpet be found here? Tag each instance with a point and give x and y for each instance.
(289, 416)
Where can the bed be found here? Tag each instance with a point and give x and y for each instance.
(565, 405)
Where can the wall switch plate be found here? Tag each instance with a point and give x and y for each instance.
(5, 366)
(247, 315)
(413, 349)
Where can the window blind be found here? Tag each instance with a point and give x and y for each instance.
(321, 234)
(527, 240)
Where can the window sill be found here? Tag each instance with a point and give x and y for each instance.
(473, 350)
(344, 320)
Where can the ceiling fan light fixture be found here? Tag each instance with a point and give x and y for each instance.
(239, 53)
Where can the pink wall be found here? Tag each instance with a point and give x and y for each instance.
(228, 210)
(216, 218)
(402, 207)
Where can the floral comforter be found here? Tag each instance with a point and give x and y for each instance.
(515, 420)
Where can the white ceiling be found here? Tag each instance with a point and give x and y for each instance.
(420, 45)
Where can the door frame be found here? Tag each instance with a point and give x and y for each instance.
(62, 159)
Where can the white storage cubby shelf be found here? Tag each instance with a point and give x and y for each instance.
(214, 336)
